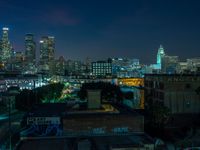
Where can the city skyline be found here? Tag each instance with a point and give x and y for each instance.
(102, 29)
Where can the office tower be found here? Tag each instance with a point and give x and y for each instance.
(18, 62)
(30, 54)
(60, 65)
(73, 67)
(51, 47)
(160, 54)
(44, 50)
(193, 65)
(6, 48)
(47, 49)
(88, 65)
(102, 68)
(169, 64)
(30, 49)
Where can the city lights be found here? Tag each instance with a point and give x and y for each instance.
(99, 75)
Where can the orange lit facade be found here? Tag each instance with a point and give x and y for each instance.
(142, 99)
(137, 85)
(131, 81)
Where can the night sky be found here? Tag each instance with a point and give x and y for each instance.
(107, 28)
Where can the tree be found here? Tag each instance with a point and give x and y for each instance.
(198, 91)
(27, 98)
(51, 93)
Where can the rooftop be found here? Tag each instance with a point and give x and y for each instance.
(100, 143)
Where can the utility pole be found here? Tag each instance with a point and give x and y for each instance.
(10, 143)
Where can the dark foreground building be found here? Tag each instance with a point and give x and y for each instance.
(106, 127)
(179, 92)
(137, 142)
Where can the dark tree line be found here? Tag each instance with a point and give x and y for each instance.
(27, 98)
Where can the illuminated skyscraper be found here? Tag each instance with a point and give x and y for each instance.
(47, 50)
(18, 62)
(6, 48)
(30, 54)
(44, 50)
(60, 66)
(30, 49)
(51, 47)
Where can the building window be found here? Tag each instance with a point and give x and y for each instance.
(187, 86)
(161, 86)
(188, 104)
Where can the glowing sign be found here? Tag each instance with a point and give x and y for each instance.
(120, 130)
(51, 37)
(43, 120)
(131, 81)
(5, 29)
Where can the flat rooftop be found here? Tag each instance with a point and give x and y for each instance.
(105, 108)
(99, 143)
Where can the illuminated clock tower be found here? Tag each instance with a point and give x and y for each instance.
(160, 54)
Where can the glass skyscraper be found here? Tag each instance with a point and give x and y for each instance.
(5, 48)
(30, 49)
(47, 50)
